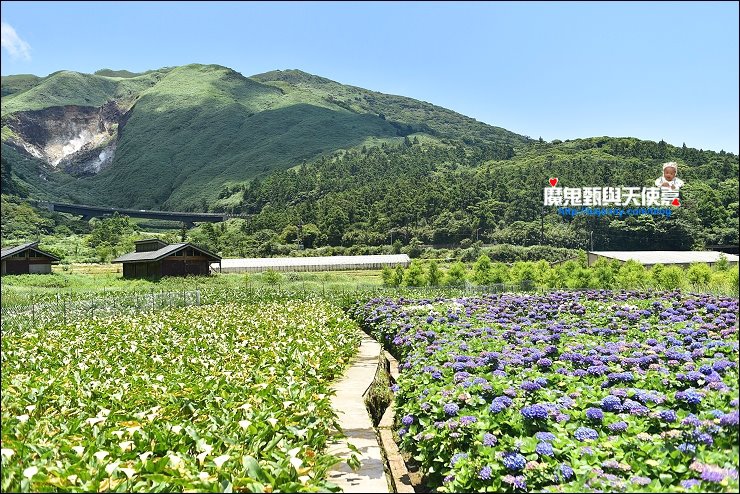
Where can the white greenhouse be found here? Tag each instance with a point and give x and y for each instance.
(326, 263)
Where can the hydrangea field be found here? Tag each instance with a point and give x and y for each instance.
(566, 391)
(234, 397)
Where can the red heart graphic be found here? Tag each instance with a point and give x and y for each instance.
(553, 182)
(676, 202)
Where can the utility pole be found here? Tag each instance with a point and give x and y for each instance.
(542, 226)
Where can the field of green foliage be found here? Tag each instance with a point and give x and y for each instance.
(187, 399)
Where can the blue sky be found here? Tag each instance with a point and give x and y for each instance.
(561, 70)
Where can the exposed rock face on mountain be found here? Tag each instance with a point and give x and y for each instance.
(77, 139)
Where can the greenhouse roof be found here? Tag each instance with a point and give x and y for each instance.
(666, 256)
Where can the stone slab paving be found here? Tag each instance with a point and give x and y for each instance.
(355, 421)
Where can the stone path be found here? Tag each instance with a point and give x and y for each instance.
(355, 421)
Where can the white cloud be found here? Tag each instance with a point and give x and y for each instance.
(13, 44)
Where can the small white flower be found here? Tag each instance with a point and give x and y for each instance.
(221, 460)
(100, 455)
(126, 445)
(130, 472)
(176, 429)
(30, 472)
(144, 456)
(78, 449)
(7, 452)
(95, 420)
(244, 424)
(272, 421)
(22, 418)
(112, 467)
(202, 456)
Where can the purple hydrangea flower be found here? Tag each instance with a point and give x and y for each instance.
(457, 457)
(640, 480)
(530, 386)
(513, 461)
(451, 409)
(489, 439)
(544, 449)
(729, 420)
(618, 426)
(566, 471)
(585, 434)
(668, 415)
(545, 436)
(485, 473)
(689, 396)
(594, 414)
(500, 403)
(467, 420)
(611, 404)
(686, 448)
(713, 475)
(688, 484)
(534, 412)
(407, 420)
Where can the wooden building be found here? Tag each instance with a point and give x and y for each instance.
(27, 259)
(154, 259)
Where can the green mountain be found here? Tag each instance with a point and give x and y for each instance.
(175, 138)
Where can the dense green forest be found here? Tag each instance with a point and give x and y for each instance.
(449, 194)
(445, 193)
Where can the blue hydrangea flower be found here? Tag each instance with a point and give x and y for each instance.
(729, 420)
(690, 396)
(489, 439)
(514, 461)
(534, 412)
(530, 386)
(451, 409)
(545, 436)
(500, 403)
(585, 434)
(544, 449)
(485, 473)
(668, 415)
(713, 475)
(407, 420)
(467, 420)
(457, 457)
(640, 480)
(688, 484)
(566, 471)
(611, 404)
(618, 426)
(686, 448)
(594, 414)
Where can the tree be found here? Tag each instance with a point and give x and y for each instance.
(414, 275)
(482, 270)
(398, 276)
(456, 274)
(387, 276)
(434, 275)
(699, 274)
